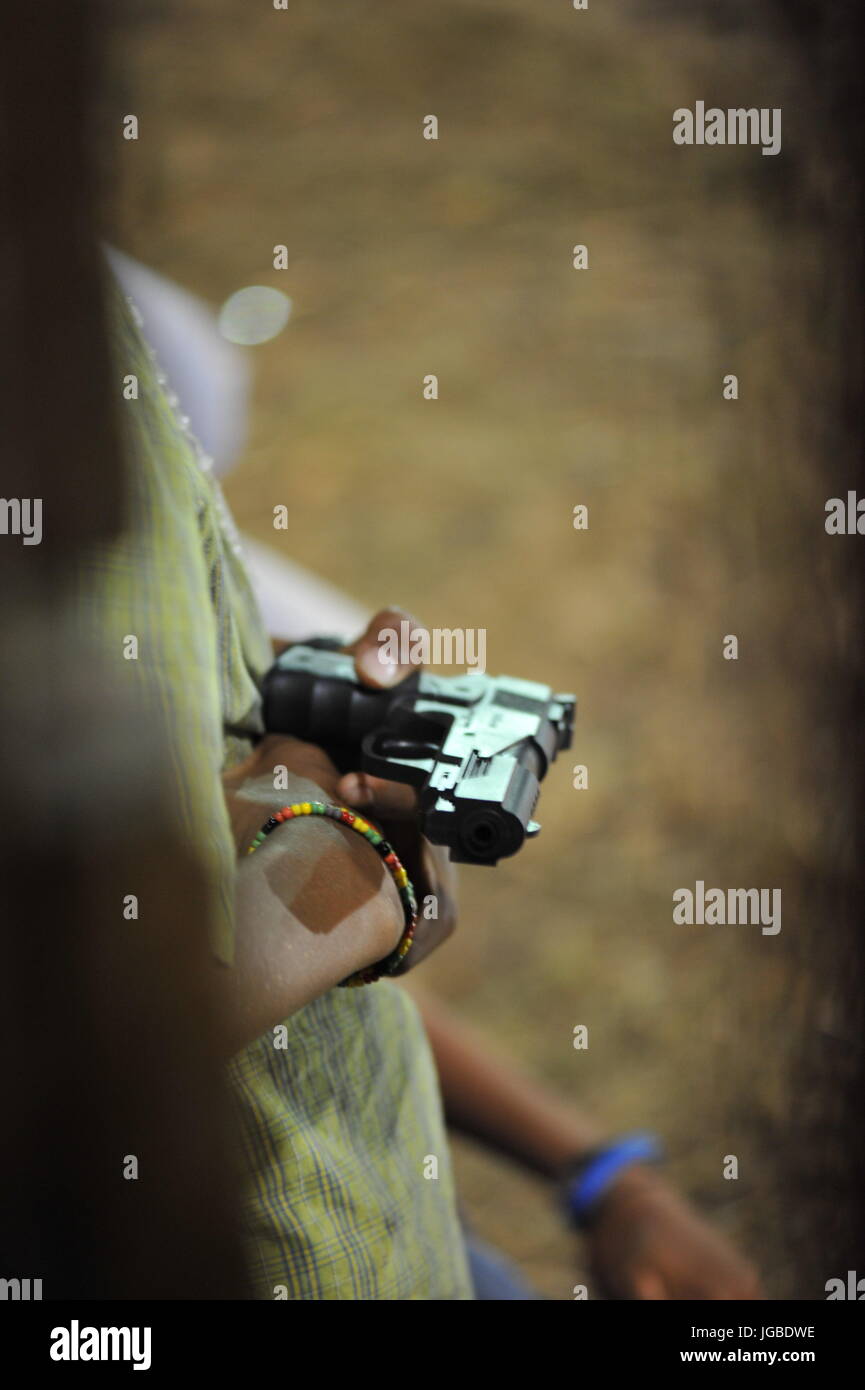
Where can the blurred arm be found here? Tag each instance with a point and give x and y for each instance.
(646, 1241)
(493, 1101)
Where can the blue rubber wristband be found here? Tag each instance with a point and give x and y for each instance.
(600, 1171)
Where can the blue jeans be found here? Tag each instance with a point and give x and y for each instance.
(494, 1276)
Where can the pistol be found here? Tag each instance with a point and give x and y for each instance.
(475, 747)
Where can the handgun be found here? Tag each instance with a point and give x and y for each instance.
(475, 747)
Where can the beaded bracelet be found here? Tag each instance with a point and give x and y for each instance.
(387, 853)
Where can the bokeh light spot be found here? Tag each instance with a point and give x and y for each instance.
(254, 315)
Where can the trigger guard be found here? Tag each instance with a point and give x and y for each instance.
(388, 769)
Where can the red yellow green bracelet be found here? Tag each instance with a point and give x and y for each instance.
(385, 850)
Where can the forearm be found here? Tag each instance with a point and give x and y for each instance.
(313, 904)
(490, 1100)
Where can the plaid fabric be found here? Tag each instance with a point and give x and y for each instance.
(336, 1130)
(173, 582)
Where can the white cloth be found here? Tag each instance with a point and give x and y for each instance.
(211, 380)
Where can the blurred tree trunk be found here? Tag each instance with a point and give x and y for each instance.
(107, 1053)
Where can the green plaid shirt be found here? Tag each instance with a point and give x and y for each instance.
(336, 1130)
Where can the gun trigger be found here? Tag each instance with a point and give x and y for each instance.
(532, 829)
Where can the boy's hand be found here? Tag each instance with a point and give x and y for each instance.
(393, 805)
(649, 1243)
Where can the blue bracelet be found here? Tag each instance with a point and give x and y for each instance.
(598, 1172)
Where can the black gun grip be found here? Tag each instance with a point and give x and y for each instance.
(333, 712)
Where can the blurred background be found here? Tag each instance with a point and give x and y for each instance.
(557, 387)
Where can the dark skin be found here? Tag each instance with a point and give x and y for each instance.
(646, 1242)
(315, 904)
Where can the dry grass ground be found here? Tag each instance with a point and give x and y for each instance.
(561, 387)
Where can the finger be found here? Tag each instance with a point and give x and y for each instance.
(374, 794)
(378, 653)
